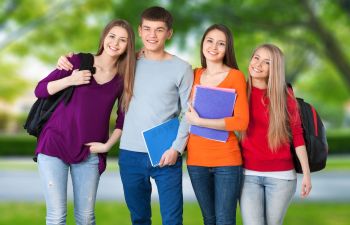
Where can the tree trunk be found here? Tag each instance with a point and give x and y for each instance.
(331, 46)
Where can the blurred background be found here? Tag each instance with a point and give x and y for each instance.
(313, 34)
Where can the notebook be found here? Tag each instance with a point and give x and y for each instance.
(159, 139)
(213, 103)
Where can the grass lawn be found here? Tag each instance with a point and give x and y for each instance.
(108, 213)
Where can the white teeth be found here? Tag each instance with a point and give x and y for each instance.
(258, 71)
(112, 48)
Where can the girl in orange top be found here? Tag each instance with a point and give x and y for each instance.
(215, 167)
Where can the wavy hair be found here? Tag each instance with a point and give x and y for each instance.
(126, 63)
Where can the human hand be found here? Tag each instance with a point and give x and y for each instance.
(305, 186)
(141, 53)
(169, 158)
(79, 77)
(192, 116)
(97, 147)
(63, 62)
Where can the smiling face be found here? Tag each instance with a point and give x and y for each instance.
(154, 34)
(214, 46)
(116, 41)
(259, 66)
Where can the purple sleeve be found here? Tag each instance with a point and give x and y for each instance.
(41, 88)
(120, 118)
(120, 112)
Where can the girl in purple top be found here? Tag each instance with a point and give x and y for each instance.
(76, 136)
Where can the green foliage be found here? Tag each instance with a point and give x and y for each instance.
(312, 34)
(11, 84)
(338, 141)
(18, 145)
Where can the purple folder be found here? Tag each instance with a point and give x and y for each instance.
(213, 103)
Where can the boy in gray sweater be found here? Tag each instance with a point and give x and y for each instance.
(162, 86)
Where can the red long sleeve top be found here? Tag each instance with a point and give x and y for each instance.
(256, 153)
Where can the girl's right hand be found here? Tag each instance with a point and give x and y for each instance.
(79, 77)
(63, 62)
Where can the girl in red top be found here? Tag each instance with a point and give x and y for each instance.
(215, 167)
(269, 176)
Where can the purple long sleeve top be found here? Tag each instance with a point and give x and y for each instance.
(84, 119)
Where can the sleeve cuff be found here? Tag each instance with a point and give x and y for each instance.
(298, 140)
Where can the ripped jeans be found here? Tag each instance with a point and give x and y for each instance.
(85, 178)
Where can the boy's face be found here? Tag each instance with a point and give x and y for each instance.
(154, 34)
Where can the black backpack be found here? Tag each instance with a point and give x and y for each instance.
(314, 136)
(42, 108)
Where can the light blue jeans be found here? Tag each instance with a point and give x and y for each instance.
(85, 178)
(264, 200)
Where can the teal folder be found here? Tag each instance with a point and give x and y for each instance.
(160, 138)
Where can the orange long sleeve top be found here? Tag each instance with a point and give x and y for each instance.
(210, 153)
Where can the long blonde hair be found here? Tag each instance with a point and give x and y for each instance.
(127, 61)
(278, 131)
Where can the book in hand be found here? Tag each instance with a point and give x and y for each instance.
(159, 139)
(213, 103)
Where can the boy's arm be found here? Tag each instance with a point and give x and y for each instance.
(185, 88)
(171, 155)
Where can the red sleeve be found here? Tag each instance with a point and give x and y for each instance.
(294, 120)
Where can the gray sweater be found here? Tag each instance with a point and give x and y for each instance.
(161, 92)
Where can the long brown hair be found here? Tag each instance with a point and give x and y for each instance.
(278, 132)
(126, 63)
(230, 57)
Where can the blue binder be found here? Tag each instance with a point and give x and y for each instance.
(160, 138)
(213, 103)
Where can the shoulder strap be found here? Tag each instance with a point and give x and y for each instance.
(86, 63)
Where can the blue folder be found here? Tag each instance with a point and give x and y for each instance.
(213, 103)
(160, 138)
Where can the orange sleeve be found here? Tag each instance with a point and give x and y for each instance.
(240, 119)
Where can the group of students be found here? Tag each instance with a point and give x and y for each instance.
(156, 86)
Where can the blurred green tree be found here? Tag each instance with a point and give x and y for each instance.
(312, 33)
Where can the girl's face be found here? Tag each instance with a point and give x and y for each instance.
(259, 65)
(214, 46)
(116, 41)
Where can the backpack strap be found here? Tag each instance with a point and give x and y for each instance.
(86, 63)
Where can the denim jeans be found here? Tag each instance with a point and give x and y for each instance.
(264, 200)
(85, 178)
(217, 190)
(135, 172)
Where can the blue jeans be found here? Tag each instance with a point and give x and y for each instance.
(264, 200)
(136, 171)
(217, 190)
(85, 177)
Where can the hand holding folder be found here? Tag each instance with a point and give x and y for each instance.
(160, 138)
(213, 103)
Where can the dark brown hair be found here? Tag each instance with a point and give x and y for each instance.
(126, 62)
(229, 58)
(157, 13)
